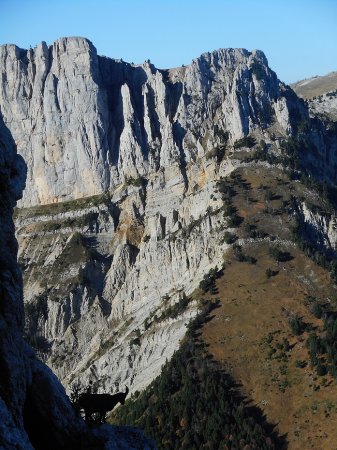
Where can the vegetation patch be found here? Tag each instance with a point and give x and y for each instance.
(62, 207)
(218, 153)
(207, 284)
(194, 404)
(269, 309)
(279, 255)
(87, 219)
(131, 181)
(247, 141)
(229, 238)
(241, 256)
(175, 310)
(322, 347)
(297, 325)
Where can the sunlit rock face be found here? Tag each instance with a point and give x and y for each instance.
(120, 216)
(84, 123)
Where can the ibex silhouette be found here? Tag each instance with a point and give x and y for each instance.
(100, 403)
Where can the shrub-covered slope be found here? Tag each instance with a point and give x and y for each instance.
(272, 332)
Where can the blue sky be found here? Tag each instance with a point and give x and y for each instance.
(299, 37)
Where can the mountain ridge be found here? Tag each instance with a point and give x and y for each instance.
(315, 86)
(106, 149)
(320, 93)
(126, 208)
(169, 144)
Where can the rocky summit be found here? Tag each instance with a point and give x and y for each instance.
(86, 124)
(123, 213)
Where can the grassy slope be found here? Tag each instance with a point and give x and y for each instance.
(316, 86)
(247, 333)
(252, 308)
(194, 404)
(254, 317)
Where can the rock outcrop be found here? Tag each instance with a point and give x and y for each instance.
(34, 409)
(120, 216)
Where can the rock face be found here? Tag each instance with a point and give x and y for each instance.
(84, 124)
(34, 410)
(324, 106)
(120, 216)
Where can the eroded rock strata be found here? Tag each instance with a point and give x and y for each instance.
(34, 409)
(120, 216)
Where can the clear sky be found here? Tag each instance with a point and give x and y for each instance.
(299, 37)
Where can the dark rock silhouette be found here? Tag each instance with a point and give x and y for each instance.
(100, 404)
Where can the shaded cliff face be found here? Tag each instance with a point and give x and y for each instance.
(121, 214)
(34, 410)
(15, 371)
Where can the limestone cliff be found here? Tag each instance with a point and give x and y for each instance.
(120, 216)
(84, 124)
(34, 410)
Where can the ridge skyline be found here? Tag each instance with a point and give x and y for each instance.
(171, 34)
(209, 52)
(84, 38)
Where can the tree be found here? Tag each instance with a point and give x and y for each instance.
(297, 325)
(229, 238)
(317, 310)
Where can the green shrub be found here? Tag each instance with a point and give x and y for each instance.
(317, 310)
(130, 181)
(229, 238)
(234, 221)
(321, 369)
(300, 363)
(173, 311)
(279, 255)
(250, 259)
(242, 257)
(225, 188)
(229, 210)
(286, 345)
(269, 195)
(297, 325)
(247, 141)
(208, 281)
(135, 341)
(217, 152)
(271, 273)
